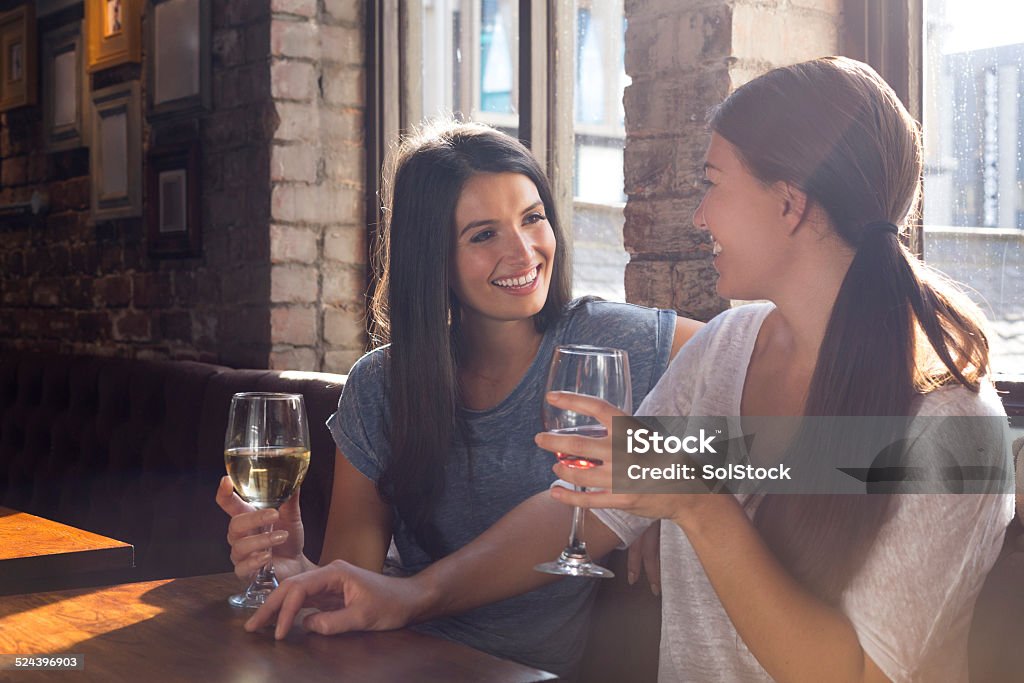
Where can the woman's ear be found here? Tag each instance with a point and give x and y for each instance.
(792, 204)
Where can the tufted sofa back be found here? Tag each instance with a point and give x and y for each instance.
(133, 449)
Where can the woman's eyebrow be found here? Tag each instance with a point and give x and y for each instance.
(533, 206)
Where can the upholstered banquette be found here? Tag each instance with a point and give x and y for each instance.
(134, 449)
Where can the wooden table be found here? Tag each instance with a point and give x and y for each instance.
(183, 629)
(39, 554)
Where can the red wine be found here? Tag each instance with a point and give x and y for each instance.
(577, 461)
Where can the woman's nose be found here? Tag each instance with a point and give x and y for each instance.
(522, 246)
(698, 216)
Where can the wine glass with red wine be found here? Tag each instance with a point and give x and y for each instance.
(591, 371)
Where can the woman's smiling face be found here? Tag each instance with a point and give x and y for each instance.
(504, 248)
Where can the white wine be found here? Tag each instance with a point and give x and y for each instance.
(266, 477)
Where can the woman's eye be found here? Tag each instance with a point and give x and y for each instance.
(482, 236)
(706, 183)
(535, 218)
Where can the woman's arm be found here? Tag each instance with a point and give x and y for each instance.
(359, 523)
(794, 635)
(685, 328)
(496, 565)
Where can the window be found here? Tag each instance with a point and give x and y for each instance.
(973, 123)
(599, 138)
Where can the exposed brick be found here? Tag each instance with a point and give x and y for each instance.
(293, 244)
(346, 245)
(77, 292)
(92, 326)
(341, 44)
(302, 8)
(176, 326)
(228, 47)
(341, 361)
(343, 285)
(345, 162)
(302, 359)
(113, 291)
(663, 227)
(686, 286)
(349, 11)
(293, 284)
(60, 324)
(46, 293)
(296, 203)
(344, 329)
(245, 285)
(679, 41)
(297, 121)
(294, 325)
(14, 171)
(151, 290)
(133, 325)
(297, 163)
(344, 86)
(292, 80)
(294, 39)
(790, 41)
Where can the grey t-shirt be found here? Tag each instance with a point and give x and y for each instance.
(547, 627)
(911, 601)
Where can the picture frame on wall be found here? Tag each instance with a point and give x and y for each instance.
(65, 89)
(178, 57)
(115, 156)
(113, 32)
(18, 68)
(173, 215)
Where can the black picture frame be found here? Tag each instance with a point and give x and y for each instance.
(173, 212)
(178, 44)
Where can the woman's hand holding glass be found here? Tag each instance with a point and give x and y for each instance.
(676, 507)
(252, 546)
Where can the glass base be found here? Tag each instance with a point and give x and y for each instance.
(575, 565)
(255, 595)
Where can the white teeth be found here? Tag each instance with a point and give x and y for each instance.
(717, 249)
(520, 281)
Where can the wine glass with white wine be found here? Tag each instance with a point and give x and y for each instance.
(266, 452)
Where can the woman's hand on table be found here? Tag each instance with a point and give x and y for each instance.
(252, 546)
(677, 507)
(349, 599)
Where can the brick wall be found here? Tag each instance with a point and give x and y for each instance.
(317, 231)
(280, 279)
(684, 56)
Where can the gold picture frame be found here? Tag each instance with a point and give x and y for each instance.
(114, 32)
(18, 66)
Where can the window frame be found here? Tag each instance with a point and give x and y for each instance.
(889, 35)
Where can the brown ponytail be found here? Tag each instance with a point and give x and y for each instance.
(836, 130)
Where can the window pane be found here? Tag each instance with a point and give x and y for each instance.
(973, 135)
(471, 60)
(600, 134)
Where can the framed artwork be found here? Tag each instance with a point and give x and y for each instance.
(113, 32)
(115, 156)
(18, 72)
(172, 201)
(178, 58)
(65, 104)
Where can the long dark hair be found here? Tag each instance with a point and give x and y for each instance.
(413, 307)
(835, 129)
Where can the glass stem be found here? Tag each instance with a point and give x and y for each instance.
(266, 573)
(577, 546)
